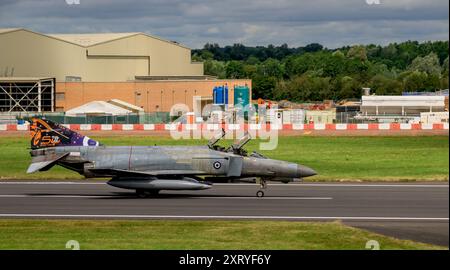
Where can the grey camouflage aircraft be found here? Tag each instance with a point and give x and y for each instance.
(150, 169)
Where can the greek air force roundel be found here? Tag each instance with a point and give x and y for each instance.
(217, 165)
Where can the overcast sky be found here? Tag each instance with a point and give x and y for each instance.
(332, 23)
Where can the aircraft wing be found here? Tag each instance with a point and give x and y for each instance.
(118, 172)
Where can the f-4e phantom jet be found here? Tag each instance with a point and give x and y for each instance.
(150, 169)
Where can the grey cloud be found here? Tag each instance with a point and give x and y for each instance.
(253, 22)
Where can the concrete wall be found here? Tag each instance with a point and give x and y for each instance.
(152, 96)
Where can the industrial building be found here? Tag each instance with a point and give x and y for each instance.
(58, 72)
(102, 57)
(407, 109)
(401, 105)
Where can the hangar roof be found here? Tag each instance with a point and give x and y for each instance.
(87, 40)
(5, 30)
(90, 39)
(23, 79)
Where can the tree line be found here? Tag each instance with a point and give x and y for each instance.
(315, 73)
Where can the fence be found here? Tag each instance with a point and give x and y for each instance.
(356, 118)
(145, 118)
(165, 118)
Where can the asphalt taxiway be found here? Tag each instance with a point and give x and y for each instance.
(417, 211)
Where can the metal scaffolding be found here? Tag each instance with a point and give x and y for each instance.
(27, 94)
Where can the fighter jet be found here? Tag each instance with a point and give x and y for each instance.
(150, 169)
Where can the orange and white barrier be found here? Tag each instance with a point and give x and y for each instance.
(233, 127)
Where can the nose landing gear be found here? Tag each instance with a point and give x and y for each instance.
(263, 186)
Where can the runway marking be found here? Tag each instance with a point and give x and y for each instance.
(226, 217)
(175, 197)
(270, 198)
(345, 185)
(50, 183)
(244, 184)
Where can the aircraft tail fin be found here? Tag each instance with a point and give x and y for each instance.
(45, 133)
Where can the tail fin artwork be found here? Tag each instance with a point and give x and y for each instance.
(45, 133)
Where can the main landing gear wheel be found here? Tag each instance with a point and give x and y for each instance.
(263, 186)
(146, 193)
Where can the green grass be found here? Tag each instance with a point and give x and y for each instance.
(334, 158)
(101, 234)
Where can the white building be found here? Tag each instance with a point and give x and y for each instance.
(401, 105)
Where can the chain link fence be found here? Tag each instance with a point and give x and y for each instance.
(144, 118)
(164, 118)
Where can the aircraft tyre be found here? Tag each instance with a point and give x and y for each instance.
(260, 194)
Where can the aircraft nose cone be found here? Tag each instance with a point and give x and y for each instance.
(304, 171)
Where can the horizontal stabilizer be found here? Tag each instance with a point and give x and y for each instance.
(45, 162)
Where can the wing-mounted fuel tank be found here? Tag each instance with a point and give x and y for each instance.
(153, 183)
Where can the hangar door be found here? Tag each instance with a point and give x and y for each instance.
(27, 94)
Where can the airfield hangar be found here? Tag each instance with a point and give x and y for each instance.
(58, 72)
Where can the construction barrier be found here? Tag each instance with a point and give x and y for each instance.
(233, 127)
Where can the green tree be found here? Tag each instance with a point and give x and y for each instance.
(378, 69)
(445, 67)
(382, 85)
(338, 54)
(349, 88)
(215, 68)
(415, 81)
(389, 52)
(250, 71)
(445, 74)
(206, 55)
(271, 67)
(304, 88)
(235, 70)
(314, 73)
(357, 52)
(263, 87)
(252, 60)
(428, 64)
(296, 65)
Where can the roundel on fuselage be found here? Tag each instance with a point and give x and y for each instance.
(217, 165)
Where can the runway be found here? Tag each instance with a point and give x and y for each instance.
(409, 211)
